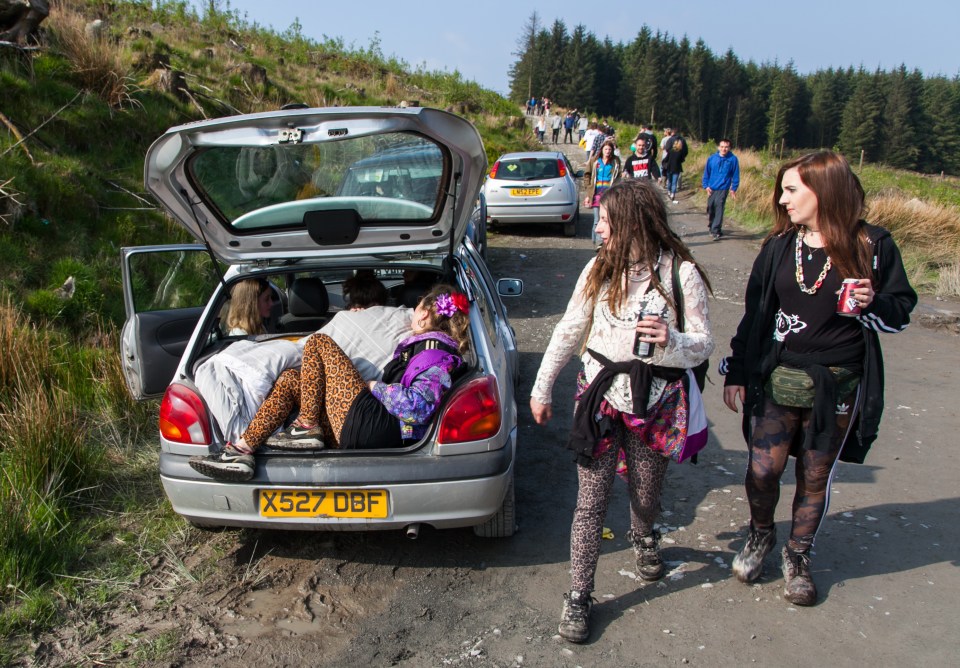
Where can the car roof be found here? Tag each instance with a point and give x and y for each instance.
(269, 187)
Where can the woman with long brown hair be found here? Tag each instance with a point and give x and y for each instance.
(632, 408)
(810, 377)
(604, 172)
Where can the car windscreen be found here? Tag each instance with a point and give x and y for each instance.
(528, 169)
(385, 177)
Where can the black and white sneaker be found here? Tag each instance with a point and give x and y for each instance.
(229, 464)
(575, 618)
(297, 437)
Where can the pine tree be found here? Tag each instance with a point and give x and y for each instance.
(523, 69)
(783, 101)
(940, 142)
(902, 119)
(580, 71)
(861, 128)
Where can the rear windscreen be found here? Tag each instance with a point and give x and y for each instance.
(384, 177)
(528, 169)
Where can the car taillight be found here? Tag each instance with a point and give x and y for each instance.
(493, 170)
(183, 417)
(562, 167)
(472, 414)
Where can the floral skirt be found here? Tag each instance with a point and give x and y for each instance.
(664, 430)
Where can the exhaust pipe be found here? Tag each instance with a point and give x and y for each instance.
(413, 531)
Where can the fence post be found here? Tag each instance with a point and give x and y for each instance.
(860, 168)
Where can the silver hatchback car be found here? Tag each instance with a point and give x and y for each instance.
(305, 199)
(533, 187)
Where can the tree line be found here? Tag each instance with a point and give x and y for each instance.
(898, 117)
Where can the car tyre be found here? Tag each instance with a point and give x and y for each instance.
(570, 228)
(203, 526)
(504, 523)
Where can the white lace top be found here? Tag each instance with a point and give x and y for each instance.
(612, 336)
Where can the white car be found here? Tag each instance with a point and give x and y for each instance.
(304, 199)
(533, 187)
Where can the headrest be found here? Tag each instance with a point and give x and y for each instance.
(308, 297)
(410, 294)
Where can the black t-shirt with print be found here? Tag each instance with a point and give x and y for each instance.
(809, 323)
(639, 168)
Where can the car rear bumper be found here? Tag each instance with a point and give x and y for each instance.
(432, 490)
(532, 213)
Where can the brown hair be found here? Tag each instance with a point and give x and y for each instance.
(638, 231)
(457, 326)
(613, 156)
(840, 210)
(244, 307)
(364, 290)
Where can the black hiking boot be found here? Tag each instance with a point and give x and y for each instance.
(647, 549)
(798, 584)
(575, 618)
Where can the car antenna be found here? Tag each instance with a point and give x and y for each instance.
(196, 219)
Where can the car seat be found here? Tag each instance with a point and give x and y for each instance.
(307, 304)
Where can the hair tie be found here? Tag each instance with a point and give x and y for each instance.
(447, 304)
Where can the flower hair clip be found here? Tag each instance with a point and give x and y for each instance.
(449, 303)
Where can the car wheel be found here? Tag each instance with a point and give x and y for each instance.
(203, 526)
(570, 228)
(504, 523)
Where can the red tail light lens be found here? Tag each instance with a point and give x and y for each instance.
(562, 167)
(183, 417)
(473, 413)
(493, 170)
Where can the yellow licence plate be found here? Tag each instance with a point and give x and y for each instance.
(371, 503)
(525, 192)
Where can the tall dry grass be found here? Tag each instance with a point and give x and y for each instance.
(929, 238)
(100, 66)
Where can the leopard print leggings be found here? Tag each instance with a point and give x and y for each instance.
(324, 387)
(646, 471)
(773, 433)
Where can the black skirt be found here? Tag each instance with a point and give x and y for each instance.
(369, 425)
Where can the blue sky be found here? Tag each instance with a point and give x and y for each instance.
(478, 39)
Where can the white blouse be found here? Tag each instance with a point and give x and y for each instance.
(612, 335)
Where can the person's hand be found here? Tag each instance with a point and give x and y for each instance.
(371, 384)
(733, 194)
(586, 201)
(709, 191)
(541, 412)
(730, 395)
(653, 329)
(864, 293)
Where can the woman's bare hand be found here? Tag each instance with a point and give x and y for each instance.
(541, 412)
(653, 329)
(730, 395)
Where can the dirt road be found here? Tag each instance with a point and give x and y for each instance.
(885, 564)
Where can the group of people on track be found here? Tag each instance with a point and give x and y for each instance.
(805, 370)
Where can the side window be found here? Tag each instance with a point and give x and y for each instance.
(483, 301)
(174, 279)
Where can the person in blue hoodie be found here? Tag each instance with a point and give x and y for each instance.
(720, 176)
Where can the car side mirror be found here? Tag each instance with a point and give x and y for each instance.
(509, 287)
(578, 174)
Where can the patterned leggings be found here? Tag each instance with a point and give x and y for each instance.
(324, 388)
(770, 443)
(646, 470)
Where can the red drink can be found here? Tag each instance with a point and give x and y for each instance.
(847, 304)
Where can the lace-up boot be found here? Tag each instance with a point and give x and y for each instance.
(798, 584)
(748, 563)
(575, 618)
(647, 549)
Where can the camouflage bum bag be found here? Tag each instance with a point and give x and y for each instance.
(794, 387)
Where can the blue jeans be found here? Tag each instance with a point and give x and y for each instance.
(593, 233)
(673, 180)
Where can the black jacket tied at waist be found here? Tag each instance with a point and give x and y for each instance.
(587, 431)
(823, 423)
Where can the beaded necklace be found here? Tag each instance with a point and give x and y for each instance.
(799, 255)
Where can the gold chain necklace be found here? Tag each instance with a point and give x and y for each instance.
(799, 254)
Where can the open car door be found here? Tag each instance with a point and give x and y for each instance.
(165, 291)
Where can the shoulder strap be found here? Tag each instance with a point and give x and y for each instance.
(677, 293)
